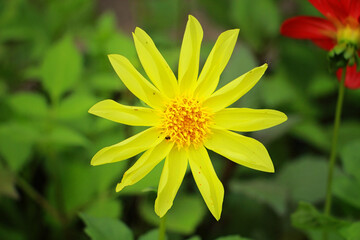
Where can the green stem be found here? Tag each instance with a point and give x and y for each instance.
(39, 199)
(334, 142)
(162, 228)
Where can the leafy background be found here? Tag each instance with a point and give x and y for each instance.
(54, 67)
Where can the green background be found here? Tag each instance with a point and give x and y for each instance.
(54, 67)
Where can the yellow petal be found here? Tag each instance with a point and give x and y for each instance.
(135, 116)
(135, 82)
(171, 177)
(145, 164)
(207, 181)
(232, 91)
(245, 119)
(154, 64)
(215, 63)
(129, 147)
(189, 56)
(240, 149)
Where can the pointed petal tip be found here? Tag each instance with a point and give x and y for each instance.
(120, 186)
(91, 110)
(234, 32)
(138, 31)
(193, 19)
(264, 66)
(112, 56)
(116, 57)
(160, 211)
(98, 160)
(94, 109)
(283, 117)
(270, 169)
(95, 163)
(217, 214)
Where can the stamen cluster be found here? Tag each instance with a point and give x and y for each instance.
(185, 122)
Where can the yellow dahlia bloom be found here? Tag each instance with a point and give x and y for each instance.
(185, 116)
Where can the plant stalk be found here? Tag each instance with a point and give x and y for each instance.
(162, 228)
(332, 159)
(39, 199)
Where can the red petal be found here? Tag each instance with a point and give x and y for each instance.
(332, 8)
(352, 79)
(308, 28)
(326, 44)
(353, 8)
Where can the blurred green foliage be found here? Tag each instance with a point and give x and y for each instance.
(54, 67)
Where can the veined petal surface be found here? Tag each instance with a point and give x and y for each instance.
(215, 63)
(171, 177)
(326, 44)
(190, 56)
(304, 27)
(154, 64)
(206, 179)
(134, 116)
(128, 148)
(247, 120)
(330, 8)
(145, 164)
(232, 91)
(353, 8)
(240, 149)
(135, 82)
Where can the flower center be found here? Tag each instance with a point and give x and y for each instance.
(350, 35)
(185, 122)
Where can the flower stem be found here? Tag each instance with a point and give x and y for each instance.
(332, 159)
(39, 199)
(162, 228)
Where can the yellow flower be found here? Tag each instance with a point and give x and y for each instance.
(185, 116)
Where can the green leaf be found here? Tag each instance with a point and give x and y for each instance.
(313, 133)
(307, 217)
(184, 216)
(351, 232)
(105, 228)
(65, 136)
(279, 84)
(75, 106)
(61, 68)
(350, 156)
(263, 190)
(106, 82)
(151, 235)
(92, 183)
(29, 104)
(16, 141)
(105, 208)
(247, 11)
(232, 237)
(348, 133)
(322, 85)
(107, 175)
(300, 175)
(347, 189)
(107, 39)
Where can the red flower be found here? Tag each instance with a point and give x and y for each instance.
(340, 25)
